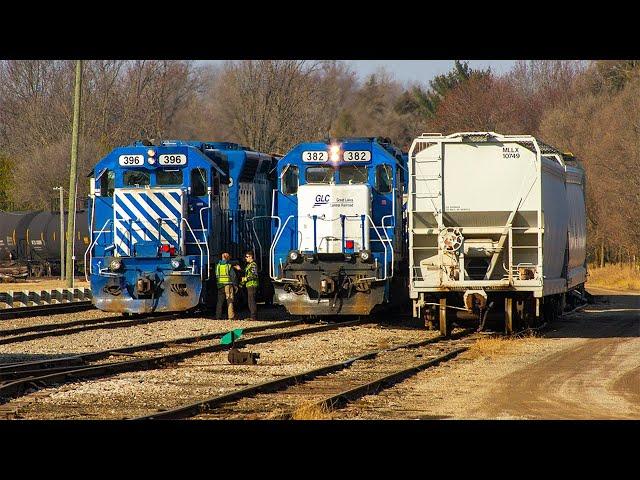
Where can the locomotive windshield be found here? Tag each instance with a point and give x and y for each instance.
(169, 177)
(133, 178)
(319, 174)
(350, 174)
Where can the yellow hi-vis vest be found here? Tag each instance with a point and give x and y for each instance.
(223, 274)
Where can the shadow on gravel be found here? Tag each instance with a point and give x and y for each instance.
(610, 316)
(7, 358)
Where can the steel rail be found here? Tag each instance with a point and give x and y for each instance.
(30, 368)
(42, 331)
(209, 404)
(17, 312)
(340, 399)
(16, 388)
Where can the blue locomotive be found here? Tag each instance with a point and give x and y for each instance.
(161, 215)
(339, 236)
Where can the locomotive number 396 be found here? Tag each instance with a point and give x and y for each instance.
(130, 160)
(172, 159)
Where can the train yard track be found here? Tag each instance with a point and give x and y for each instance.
(33, 332)
(25, 377)
(327, 387)
(36, 310)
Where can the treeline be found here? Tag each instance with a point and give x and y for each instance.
(589, 108)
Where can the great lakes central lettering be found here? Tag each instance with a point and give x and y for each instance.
(321, 200)
(339, 202)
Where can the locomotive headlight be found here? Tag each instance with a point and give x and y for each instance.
(294, 255)
(151, 161)
(365, 255)
(335, 153)
(176, 263)
(115, 265)
(151, 152)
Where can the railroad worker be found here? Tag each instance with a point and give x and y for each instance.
(250, 281)
(225, 283)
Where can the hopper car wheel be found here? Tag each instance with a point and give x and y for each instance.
(430, 317)
(551, 310)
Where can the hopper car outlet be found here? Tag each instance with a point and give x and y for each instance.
(469, 227)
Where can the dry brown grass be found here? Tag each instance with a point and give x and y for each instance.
(311, 411)
(491, 347)
(616, 277)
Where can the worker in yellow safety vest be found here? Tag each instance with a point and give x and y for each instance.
(250, 281)
(225, 281)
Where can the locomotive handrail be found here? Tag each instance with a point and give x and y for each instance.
(384, 228)
(385, 248)
(197, 243)
(280, 230)
(276, 239)
(205, 239)
(253, 227)
(89, 251)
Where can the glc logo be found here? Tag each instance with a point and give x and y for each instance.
(321, 200)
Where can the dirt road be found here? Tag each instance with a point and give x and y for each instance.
(586, 367)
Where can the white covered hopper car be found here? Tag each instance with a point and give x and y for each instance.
(497, 229)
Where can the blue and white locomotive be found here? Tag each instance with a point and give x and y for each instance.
(339, 240)
(161, 215)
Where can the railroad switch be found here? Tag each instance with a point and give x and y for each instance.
(237, 357)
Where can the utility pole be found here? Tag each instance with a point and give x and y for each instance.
(72, 175)
(61, 231)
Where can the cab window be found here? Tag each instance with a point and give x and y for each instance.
(107, 183)
(169, 177)
(135, 178)
(319, 174)
(198, 182)
(290, 180)
(384, 178)
(350, 174)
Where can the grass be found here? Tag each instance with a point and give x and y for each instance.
(311, 411)
(616, 277)
(491, 347)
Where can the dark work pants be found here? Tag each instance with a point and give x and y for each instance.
(251, 301)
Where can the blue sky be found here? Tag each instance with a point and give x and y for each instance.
(416, 70)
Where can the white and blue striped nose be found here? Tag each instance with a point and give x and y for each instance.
(147, 216)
